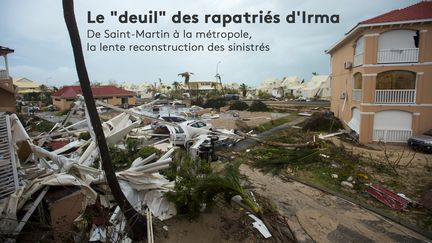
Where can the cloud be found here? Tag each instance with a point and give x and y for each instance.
(36, 30)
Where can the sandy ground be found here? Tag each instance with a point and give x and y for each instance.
(320, 217)
(223, 223)
(414, 168)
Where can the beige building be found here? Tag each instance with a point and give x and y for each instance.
(64, 97)
(25, 86)
(202, 87)
(381, 75)
(7, 89)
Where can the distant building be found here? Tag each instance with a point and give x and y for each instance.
(271, 86)
(318, 87)
(110, 94)
(291, 85)
(202, 87)
(143, 90)
(381, 80)
(7, 89)
(25, 86)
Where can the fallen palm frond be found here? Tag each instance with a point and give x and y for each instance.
(278, 144)
(196, 185)
(274, 164)
(229, 185)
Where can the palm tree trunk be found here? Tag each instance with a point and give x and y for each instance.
(135, 220)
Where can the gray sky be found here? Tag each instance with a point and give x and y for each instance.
(37, 32)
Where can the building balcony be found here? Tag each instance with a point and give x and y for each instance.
(389, 135)
(356, 94)
(400, 55)
(358, 59)
(395, 96)
(4, 74)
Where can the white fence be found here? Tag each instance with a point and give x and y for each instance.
(398, 55)
(387, 135)
(397, 96)
(358, 59)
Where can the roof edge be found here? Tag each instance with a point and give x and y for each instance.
(359, 26)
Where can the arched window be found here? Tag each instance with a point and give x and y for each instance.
(358, 78)
(396, 80)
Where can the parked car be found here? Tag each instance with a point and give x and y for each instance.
(421, 142)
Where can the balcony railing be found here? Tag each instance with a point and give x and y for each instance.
(395, 96)
(4, 74)
(356, 94)
(388, 135)
(358, 59)
(398, 55)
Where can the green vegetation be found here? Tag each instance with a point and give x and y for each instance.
(239, 105)
(84, 136)
(122, 159)
(215, 103)
(258, 106)
(274, 123)
(43, 126)
(196, 184)
(275, 160)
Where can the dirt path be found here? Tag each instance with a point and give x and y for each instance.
(320, 217)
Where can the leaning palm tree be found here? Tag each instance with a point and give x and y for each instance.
(186, 76)
(243, 89)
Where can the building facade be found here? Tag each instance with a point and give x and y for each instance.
(64, 97)
(381, 80)
(7, 89)
(25, 86)
(202, 87)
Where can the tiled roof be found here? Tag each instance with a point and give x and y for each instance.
(98, 91)
(418, 11)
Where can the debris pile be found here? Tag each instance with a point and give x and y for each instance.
(59, 171)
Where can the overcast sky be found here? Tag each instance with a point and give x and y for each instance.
(37, 32)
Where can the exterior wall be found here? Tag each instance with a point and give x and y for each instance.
(65, 104)
(7, 101)
(342, 80)
(61, 103)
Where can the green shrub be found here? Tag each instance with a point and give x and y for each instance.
(43, 126)
(215, 103)
(239, 105)
(258, 106)
(84, 136)
(146, 151)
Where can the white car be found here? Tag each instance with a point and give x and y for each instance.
(195, 128)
